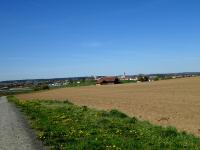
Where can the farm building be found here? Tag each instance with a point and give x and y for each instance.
(107, 80)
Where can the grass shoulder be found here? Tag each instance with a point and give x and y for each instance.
(63, 125)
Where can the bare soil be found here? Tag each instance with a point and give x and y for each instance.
(171, 102)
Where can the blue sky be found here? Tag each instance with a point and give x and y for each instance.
(63, 38)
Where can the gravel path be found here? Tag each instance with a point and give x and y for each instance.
(14, 131)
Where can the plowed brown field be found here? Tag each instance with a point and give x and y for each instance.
(172, 102)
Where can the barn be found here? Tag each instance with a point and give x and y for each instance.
(107, 80)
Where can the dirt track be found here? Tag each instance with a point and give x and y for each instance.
(171, 102)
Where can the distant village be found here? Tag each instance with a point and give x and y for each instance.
(21, 86)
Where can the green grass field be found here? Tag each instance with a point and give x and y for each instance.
(63, 125)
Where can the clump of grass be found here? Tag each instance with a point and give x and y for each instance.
(116, 113)
(132, 120)
(67, 102)
(169, 132)
(85, 108)
(61, 125)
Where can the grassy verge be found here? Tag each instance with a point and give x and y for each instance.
(4, 93)
(63, 125)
